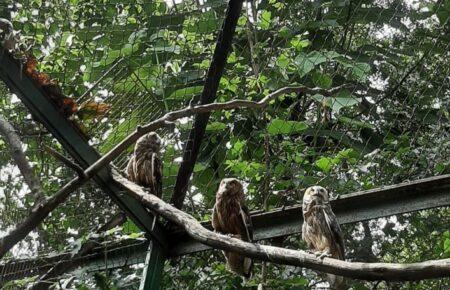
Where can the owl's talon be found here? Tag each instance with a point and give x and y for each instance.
(323, 255)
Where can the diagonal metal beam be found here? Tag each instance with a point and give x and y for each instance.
(215, 71)
(72, 140)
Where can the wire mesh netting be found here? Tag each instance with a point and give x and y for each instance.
(373, 112)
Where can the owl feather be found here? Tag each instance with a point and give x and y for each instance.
(145, 166)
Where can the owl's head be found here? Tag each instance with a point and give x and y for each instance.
(231, 187)
(316, 193)
(6, 27)
(149, 142)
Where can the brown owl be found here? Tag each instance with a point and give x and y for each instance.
(145, 166)
(321, 231)
(231, 217)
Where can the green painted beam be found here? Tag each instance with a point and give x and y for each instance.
(154, 266)
(72, 140)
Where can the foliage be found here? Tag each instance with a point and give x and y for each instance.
(389, 126)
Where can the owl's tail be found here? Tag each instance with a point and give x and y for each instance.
(336, 282)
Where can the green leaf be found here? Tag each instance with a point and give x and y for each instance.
(355, 123)
(299, 44)
(278, 126)
(199, 167)
(343, 100)
(265, 19)
(216, 126)
(207, 22)
(322, 80)
(186, 93)
(325, 164)
(447, 242)
(283, 61)
(130, 227)
(317, 57)
(361, 70)
(304, 64)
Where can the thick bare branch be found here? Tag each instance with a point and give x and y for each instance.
(12, 139)
(357, 270)
(41, 211)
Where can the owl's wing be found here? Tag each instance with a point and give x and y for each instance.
(336, 232)
(158, 175)
(216, 220)
(130, 169)
(247, 229)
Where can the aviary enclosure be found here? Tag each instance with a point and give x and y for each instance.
(352, 95)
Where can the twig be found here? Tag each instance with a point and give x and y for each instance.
(66, 161)
(41, 211)
(12, 139)
(357, 270)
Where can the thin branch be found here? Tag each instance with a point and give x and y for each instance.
(12, 139)
(46, 280)
(64, 160)
(41, 211)
(357, 270)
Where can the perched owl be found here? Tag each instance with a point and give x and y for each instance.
(7, 35)
(145, 166)
(321, 231)
(231, 217)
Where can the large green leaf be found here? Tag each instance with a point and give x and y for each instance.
(342, 100)
(186, 93)
(278, 126)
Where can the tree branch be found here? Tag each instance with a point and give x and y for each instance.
(64, 160)
(46, 280)
(12, 139)
(41, 211)
(357, 270)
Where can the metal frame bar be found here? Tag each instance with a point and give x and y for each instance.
(154, 265)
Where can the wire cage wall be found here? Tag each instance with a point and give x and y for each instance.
(373, 112)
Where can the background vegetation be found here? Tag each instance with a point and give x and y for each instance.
(388, 125)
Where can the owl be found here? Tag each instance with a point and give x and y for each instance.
(321, 231)
(7, 35)
(145, 165)
(231, 217)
